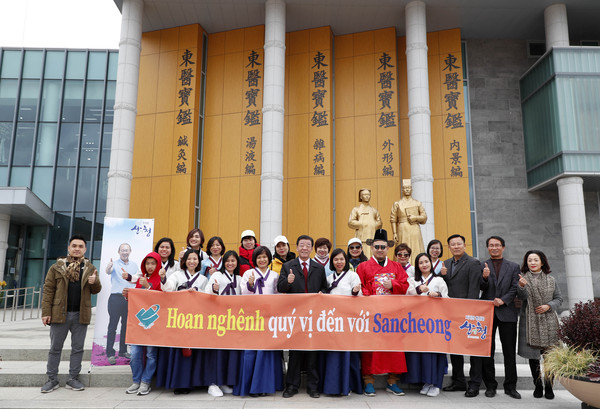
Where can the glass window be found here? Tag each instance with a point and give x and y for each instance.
(23, 143)
(76, 65)
(86, 190)
(82, 224)
(46, 145)
(3, 175)
(90, 144)
(59, 236)
(36, 235)
(72, 100)
(64, 185)
(106, 142)
(8, 99)
(6, 129)
(11, 64)
(98, 232)
(42, 183)
(112, 65)
(50, 100)
(32, 67)
(20, 176)
(55, 64)
(96, 65)
(67, 145)
(102, 190)
(93, 101)
(30, 90)
(109, 112)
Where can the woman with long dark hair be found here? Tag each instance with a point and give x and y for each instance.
(538, 322)
(166, 249)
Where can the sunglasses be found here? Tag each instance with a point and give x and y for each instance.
(402, 254)
(380, 247)
(354, 247)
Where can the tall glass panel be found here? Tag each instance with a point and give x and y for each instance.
(90, 145)
(42, 183)
(30, 91)
(93, 101)
(76, 65)
(58, 241)
(96, 65)
(109, 112)
(11, 64)
(32, 66)
(50, 103)
(55, 65)
(102, 190)
(98, 232)
(46, 144)
(82, 224)
(67, 145)
(86, 189)
(8, 99)
(6, 129)
(64, 185)
(106, 143)
(23, 143)
(112, 65)
(72, 100)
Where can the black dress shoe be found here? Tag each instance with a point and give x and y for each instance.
(314, 394)
(491, 392)
(182, 391)
(513, 393)
(289, 392)
(471, 393)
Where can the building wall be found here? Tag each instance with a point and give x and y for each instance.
(526, 220)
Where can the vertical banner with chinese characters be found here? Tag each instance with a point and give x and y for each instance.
(367, 131)
(125, 243)
(308, 134)
(252, 125)
(232, 140)
(184, 119)
(165, 151)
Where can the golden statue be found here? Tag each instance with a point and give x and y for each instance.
(406, 216)
(364, 219)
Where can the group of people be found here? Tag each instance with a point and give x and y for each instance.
(254, 270)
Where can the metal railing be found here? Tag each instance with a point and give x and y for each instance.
(19, 301)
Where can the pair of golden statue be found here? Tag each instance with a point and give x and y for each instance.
(406, 217)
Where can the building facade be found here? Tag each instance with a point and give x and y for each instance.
(56, 115)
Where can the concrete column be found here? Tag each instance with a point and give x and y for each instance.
(121, 155)
(556, 26)
(271, 193)
(419, 126)
(4, 227)
(575, 240)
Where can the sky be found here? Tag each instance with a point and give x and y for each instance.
(94, 24)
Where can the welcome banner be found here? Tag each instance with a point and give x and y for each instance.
(310, 322)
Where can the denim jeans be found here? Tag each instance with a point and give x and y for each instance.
(138, 370)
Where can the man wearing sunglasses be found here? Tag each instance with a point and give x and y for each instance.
(381, 276)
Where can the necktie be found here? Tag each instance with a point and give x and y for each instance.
(305, 272)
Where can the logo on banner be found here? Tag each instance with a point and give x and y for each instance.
(475, 330)
(147, 317)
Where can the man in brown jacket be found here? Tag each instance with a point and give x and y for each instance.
(67, 307)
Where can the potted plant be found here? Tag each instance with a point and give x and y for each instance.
(576, 362)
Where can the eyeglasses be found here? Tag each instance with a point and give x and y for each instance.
(354, 247)
(380, 247)
(402, 254)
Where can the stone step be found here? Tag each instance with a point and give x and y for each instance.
(33, 374)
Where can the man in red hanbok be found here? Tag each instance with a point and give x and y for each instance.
(382, 276)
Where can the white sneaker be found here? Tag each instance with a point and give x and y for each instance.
(226, 389)
(433, 391)
(425, 389)
(133, 388)
(214, 390)
(144, 389)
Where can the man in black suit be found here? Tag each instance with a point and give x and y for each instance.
(462, 273)
(302, 275)
(499, 284)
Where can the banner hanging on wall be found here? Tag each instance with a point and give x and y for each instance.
(310, 322)
(125, 243)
